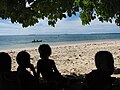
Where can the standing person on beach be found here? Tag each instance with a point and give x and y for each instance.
(47, 68)
(27, 80)
(100, 79)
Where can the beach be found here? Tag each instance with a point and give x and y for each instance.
(75, 58)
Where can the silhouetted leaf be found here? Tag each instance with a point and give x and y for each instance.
(18, 11)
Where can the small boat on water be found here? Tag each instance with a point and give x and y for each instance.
(36, 41)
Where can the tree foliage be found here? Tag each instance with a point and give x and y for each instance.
(30, 12)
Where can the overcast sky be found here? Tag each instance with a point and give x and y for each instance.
(71, 25)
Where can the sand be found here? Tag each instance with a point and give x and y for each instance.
(73, 58)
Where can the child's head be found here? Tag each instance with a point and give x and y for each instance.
(104, 61)
(23, 59)
(44, 50)
(5, 62)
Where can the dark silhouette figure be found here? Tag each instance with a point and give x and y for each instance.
(47, 68)
(5, 62)
(8, 78)
(100, 79)
(27, 80)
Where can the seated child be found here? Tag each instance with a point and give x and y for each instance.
(46, 67)
(27, 80)
(8, 78)
(5, 62)
(100, 79)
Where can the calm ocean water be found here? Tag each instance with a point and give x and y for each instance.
(19, 41)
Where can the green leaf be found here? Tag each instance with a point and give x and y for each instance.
(16, 10)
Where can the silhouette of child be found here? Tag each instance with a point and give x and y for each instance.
(27, 80)
(8, 78)
(100, 79)
(5, 62)
(46, 67)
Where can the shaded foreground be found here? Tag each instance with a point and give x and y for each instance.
(74, 61)
(74, 83)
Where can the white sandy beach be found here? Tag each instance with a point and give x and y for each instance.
(73, 58)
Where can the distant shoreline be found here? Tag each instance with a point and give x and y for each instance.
(55, 44)
(25, 41)
(58, 34)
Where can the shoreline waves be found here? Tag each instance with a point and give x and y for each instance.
(25, 41)
(72, 58)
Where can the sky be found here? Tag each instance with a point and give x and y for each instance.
(70, 25)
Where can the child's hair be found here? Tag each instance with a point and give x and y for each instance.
(5, 62)
(104, 60)
(23, 58)
(44, 50)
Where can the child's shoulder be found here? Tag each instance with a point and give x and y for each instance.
(51, 61)
(97, 80)
(93, 72)
(48, 60)
(97, 73)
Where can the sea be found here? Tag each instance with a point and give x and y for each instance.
(21, 41)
